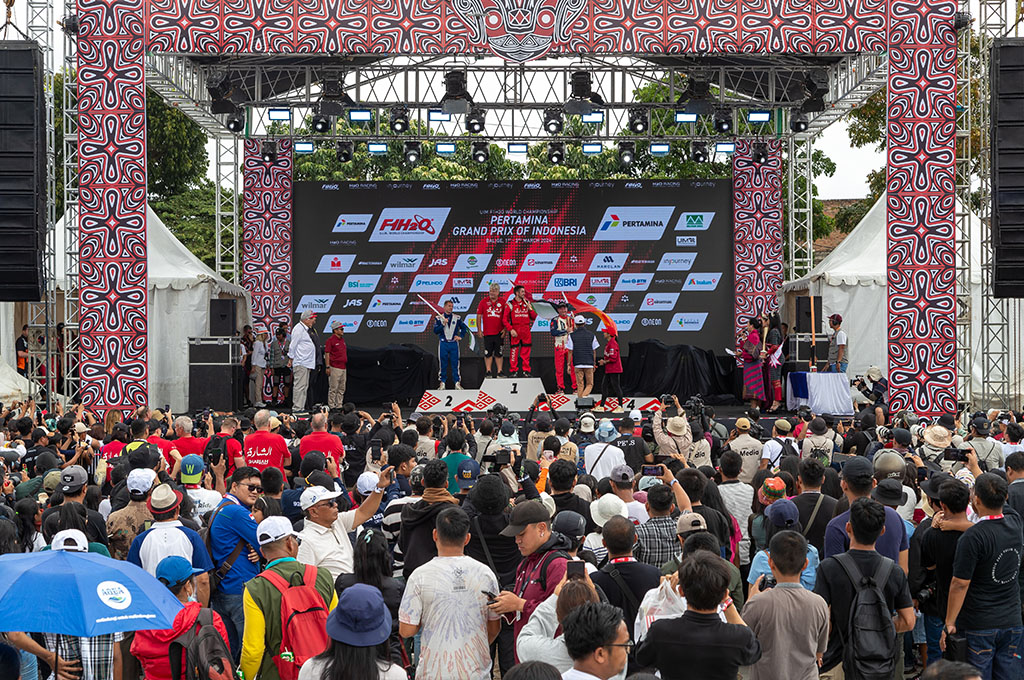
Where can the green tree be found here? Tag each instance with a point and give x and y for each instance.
(190, 217)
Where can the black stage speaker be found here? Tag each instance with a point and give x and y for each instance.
(22, 171)
(207, 352)
(222, 318)
(803, 314)
(1007, 109)
(218, 387)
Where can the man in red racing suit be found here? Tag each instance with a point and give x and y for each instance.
(519, 316)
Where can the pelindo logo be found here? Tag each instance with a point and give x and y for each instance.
(689, 321)
(634, 223)
(703, 281)
(114, 595)
(409, 224)
(695, 221)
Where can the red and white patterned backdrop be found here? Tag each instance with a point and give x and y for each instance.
(917, 33)
(112, 203)
(267, 233)
(757, 229)
(920, 211)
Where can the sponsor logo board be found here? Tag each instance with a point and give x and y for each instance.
(633, 281)
(429, 283)
(472, 262)
(608, 262)
(688, 321)
(315, 303)
(659, 302)
(676, 262)
(409, 224)
(702, 281)
(401, 262)
(411, 323)
(565, 281)
(386, 303)
(695, 221)
(634, 223)
(350, 223)
(360, 283)
(350, 322)
(540, 262)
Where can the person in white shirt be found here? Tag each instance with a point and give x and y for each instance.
(776, 447)
(324, 537)
(301, 359)
(259, 367)
(597, 640)
(445, 600)
(1011, 442)
(622, 486)
(602, 457)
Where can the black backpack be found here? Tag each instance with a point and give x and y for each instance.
(869, 651)
(216, 448)
(787, 450)
(207, 657)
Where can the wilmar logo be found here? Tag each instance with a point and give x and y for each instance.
(335, 264)
(705, 281)
(401, 262)
(351, 224)
(634, 223)
(409, 224)
(689, 321)
(694, 221)
(114, 595)
(315, 303)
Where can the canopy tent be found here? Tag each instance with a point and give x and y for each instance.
(180, 290)
(851, 281)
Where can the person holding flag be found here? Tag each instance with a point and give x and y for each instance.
(561, 326)
(450, 329)
(612, 362)
(519, 316)
(490, 327)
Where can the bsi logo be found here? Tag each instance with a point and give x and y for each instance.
(363, 283)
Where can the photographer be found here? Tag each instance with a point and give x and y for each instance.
(990, 452)
(874, 390)
(675, 439)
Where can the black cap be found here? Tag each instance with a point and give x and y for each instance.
(931, 485)
(902, 436)
(858, 467)
(571, 524)
(525, 514)
(948, 421)
(981, 425)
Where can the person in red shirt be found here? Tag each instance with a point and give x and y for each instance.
(561, 326)
(337, 360)
(165, 445)
(490, 328)
(519, 316)
(185, 443)
(232, 447)
(319, 439)
(263, 448)
(612, 362)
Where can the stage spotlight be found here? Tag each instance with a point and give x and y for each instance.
(553, 123)
(344, 151)
(268, 151)
(475, 120)
(413, 152)
(399, 119)
(699, 152)
(236, 121)
(697, 96)
(723, 121)
(70, 25)
(583, 95)
(456, 97)
(816, 86)
(481, 152)
(760, 153)
(627, 153)
(798, 121)
(321, 123)
(638, 120)
(962, 20)
(222, 92)
(333, 98)
(556, 153)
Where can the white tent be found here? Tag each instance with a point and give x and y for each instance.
(180, 290)
(851, 281)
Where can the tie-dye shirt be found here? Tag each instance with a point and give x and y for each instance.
(443, 597)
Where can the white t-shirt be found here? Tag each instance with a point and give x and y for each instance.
(612, 458)
(772, 450)
(636, 512)
(841, 339)
(314, 670)
(443, 597)
(1009, 448)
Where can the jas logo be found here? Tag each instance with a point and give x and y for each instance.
(353, 302)
(695, 221)
(689, 321)
(705, 281)
(439, 262)
(335, 264)
(315, 303)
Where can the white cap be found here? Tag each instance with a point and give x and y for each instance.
(70, 540)
(635, 415)
(140, 481)
(314, 495)
(274, 528)
(580, 319)
(366, 483)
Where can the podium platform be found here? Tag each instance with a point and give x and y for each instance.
(516, 394)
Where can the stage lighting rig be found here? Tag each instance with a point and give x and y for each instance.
(224, 96)
(344, 151)
(333, 98)
(70, 25)
(475, 120)
(583, 94)
(638, 120)
(798, 121)
(413, 152)
(268, 151)
(760, 153)
(399, 117)
(481, 152)
(456, 97)
(553, 123)
(816, 86)
(627, 153)
(699, 152)
(723, 121)
(556, 153)
(697, 96)
(961, 20)
(236, 121)
(320, 123)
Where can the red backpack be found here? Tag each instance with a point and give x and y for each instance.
(303, 622)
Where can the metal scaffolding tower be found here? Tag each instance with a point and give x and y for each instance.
(70, 254)
(962, 265)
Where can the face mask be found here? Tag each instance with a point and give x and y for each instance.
(192, 598)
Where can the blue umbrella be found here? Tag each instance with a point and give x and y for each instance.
(80, 594)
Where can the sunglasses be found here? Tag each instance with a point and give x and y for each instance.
(254, 487)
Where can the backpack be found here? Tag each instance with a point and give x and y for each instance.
(873, 448)
(303, 622)
(215, 449)
(787, 450)
(207, 656)
(869, 651)
(822, 453)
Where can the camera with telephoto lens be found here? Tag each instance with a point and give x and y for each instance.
(954, 454)
(667, 398)
(926, 593)
(768, 582)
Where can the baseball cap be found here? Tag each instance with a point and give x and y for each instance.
(174, 570)
(192, 467)
(982, 425)
(416, 475)
(783, 425)
(857, 467)
(314, 495)
(689, 522)
(836, 318)
(466, 474)
(71, 540)
(580, 319)
(587, 423)
(525, 514)
(622, 474)
(902, 436)
(81, 428)
(311, 462)
(742, 424)
(51, 481)
(647, 482)
(569, 523)
(164, 499)
(139, 482)
(274, 528)
(783, 513)
(366, 483)
(73, 478)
